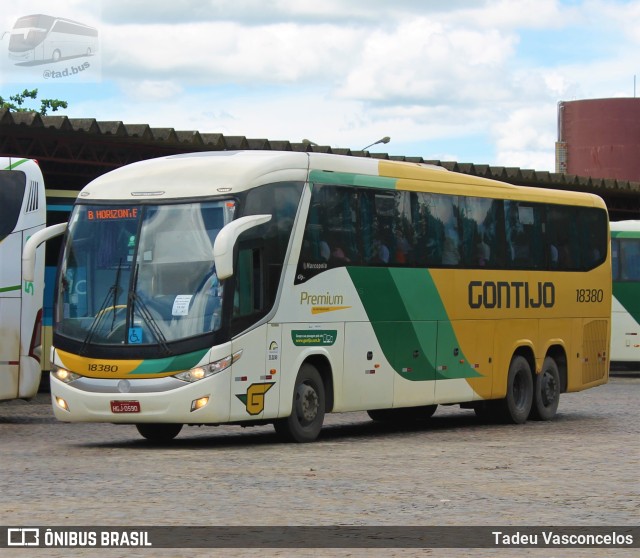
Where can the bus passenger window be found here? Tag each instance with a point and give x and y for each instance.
(630, 258)
(478, 219)
(524, 225)
(593, 234)
(445, 211)
(248, 297)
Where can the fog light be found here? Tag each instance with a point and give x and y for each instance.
(199, 403)
(62, 404)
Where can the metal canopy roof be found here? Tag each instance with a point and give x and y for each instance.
(74, 151)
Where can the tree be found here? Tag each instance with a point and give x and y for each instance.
(16, 101)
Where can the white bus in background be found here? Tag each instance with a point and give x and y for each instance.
(22, 214)
(44, 38)
(625, 323)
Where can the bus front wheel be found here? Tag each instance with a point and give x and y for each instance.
(307, 414)
(546, 391)
(517, 403)
(159, 433)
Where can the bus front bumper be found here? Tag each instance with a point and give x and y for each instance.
(202, 402)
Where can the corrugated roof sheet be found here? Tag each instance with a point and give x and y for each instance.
(185, 140)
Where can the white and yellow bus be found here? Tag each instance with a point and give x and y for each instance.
(625, 318)
(22, 214)
(274, 287)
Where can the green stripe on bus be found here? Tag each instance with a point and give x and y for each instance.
(16, 164)
(625, 234)
(348, 179)
(170, 364)
(408, 318)
(7, 289)
(626, 293)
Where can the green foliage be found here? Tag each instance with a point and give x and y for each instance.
(16, 102)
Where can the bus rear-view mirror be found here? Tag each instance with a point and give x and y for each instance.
(226, 240)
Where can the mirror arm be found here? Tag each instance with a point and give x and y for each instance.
(31, 245)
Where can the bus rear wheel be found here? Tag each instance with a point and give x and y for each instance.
(546, 391)
(516, 405)
(159, 433)
(307, 413)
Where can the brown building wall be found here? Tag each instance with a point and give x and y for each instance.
(602, 137)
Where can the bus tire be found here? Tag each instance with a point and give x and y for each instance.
(403, 415)
(307, 412)
(546, 391)
(517, 403)
(159, 433)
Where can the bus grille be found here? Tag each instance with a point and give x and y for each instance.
(32, 200)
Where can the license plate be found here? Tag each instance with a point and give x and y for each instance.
(125, 406)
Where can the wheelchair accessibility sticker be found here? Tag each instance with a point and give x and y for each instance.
(135, 335)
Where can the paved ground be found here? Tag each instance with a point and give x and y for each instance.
(581, 469)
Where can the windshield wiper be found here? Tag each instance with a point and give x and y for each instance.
(115, 294)
(97, 320)
(132, 299)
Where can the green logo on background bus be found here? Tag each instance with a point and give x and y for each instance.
(319, 338)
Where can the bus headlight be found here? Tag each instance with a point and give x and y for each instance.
(201, 372)
(63, 374)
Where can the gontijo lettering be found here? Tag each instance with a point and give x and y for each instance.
(513, 294)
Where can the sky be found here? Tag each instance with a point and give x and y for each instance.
(462, 80)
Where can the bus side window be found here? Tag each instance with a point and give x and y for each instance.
(563, 238)
(479, 231)
(593, 226)
(248, 297)
(446, 232)
(383, 239)
(403, 253)
(630, 259)
(429, 237)
(524, 225)
(615, 259)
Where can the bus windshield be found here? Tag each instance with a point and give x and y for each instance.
(140, 274)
